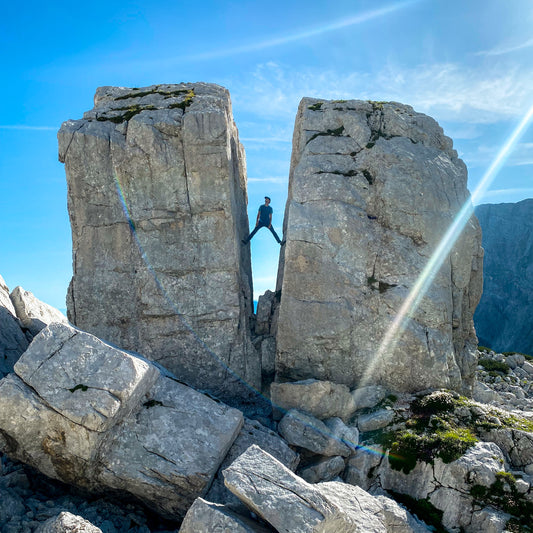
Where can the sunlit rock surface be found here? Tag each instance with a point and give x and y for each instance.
(503, 316)
(373, 188)
(157, 203)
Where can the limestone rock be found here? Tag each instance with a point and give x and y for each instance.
(268, 355)
(251, 433)
(349, 435)
(306, 431)
(503, 317)
(368, 397)
(207, 517)
(67, 522)
(325, 469)
(375, 420)
(34, 314)
(94, 416)
(290, 504)
(322, 399)
(157, 204)
(517, 445)
(372, 189)
(264, 313)
(13, 341)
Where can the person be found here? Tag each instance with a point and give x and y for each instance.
(264, 220)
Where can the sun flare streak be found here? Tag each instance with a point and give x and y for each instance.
(424, 281)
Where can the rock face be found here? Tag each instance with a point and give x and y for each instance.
(94, 416)
(157, 203)
(503, 316)
(372, 189)
(13, 340)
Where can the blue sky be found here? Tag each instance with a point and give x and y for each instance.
(467, 63)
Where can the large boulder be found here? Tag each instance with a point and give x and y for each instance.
(157, 203)
(100, 418)
(503, 316)
(34, 314)
(373, 187)
(13, 340)
(290, 504)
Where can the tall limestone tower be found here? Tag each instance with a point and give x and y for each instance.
(157, 202)
(373, 188)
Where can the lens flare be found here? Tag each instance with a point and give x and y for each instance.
(424, 281)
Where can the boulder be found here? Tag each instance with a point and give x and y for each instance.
(252, 432)
(325, 469)
(13, 341)
(100, 418)
(503, 316)
(289, 504)
(368, 397)
(305, 431)
(34, 314)
(264, 313)
(322, 399)
(206, 517)
(373, 187)
(67, 522)
(349, 435)
(375, 420)
(157, 204)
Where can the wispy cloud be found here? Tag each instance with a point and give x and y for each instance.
(447, 91)
(24, 127)
(345, 22)
(522, 155)
(508, 49)
(269, 180)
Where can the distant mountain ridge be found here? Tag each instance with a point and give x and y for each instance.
(503, 317)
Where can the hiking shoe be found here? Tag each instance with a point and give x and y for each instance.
(282, 242)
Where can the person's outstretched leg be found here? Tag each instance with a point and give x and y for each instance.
(271, 228)
(249, 238)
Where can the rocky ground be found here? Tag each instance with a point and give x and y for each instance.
(33, 503)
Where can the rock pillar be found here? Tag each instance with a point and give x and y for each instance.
(373, 188)
(157, 203)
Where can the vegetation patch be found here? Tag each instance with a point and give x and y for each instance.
(348, 174)
(437, 402)
(493, 365)
(186, 102)
(152, 403)
(155, 90)
(131, 111)
(424, 509)
(80, 386)
(315, 107)
(504, 495)
(335, 133)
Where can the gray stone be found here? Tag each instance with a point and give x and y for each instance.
(368, 397)
(489, 520)
(289, 504)
(347, 434)
(306, 431)
(484, 394)
(517, 445)
(268, 355)
(34, 314)
(528, 367)
(67, 522)
(503, 317)
(325, 469)
(373, 187)
(10, 506)
(251, 433)
(94, 416)
(206, 517)
(361, 464)
(157, 204)
(376, 420)
(322, 399)
(13, 341)
(264, 313)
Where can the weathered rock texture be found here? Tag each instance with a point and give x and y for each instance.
(94, 416)
(13, 340)
(373, 187)
(503, 316)
(157, 202)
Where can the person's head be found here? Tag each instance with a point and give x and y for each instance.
(267, 200)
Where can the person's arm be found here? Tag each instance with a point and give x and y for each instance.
(257, 219)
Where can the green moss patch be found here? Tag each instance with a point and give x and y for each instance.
(337, 132)
(315, 107)
(493, 365)
(424, 509)
(186, 102)
(80, 386)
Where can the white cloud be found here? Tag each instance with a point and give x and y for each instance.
(506, 195)
(447, 91)
(506, 49)
(269, 180)
(521, 155)
(23, 127)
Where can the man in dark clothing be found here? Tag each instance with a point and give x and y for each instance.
(264, 220)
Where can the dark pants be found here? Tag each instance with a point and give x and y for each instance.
(258, 227)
